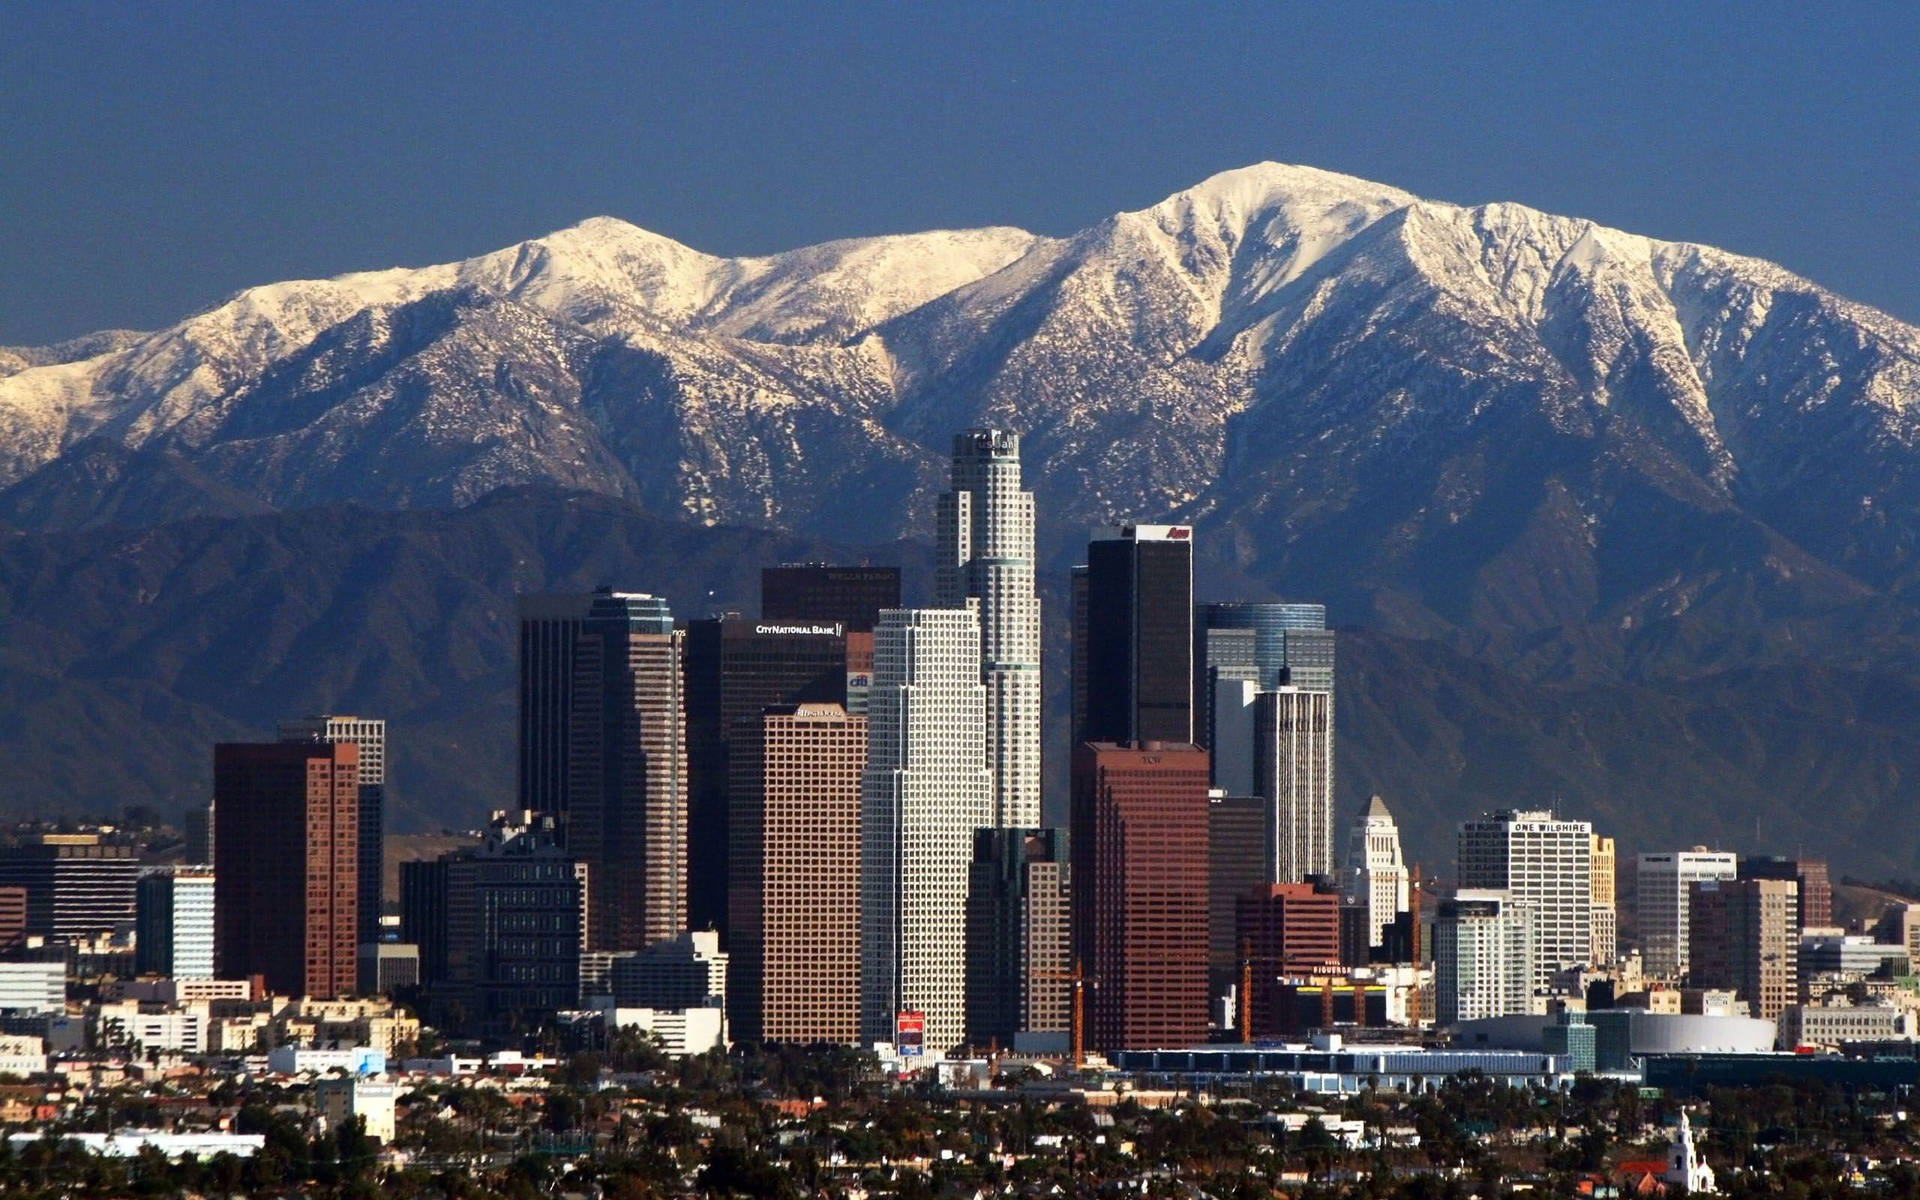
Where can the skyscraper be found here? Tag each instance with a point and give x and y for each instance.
(1236, 864)
(78, 885)
(985, 539)
(735, 669)
(1018, 954)
(1226, 674)
(1816, 886)
(627, 816)
(1231, 713)
(1291, 642)
(1606, 927)
(423, 915)
(1140, 892)
(1375, 879)
(925, 790)
(173, 932)
(603, 751)
(549, 637)
(1745, 936)
(1077, 650)
(1546, 865)
(371, 736)
(852, 597)
(794, 911)
(198, 826)
(1138, 655)
(1661, 908)
(287, 871)
(515, 911)
(1483, 956)
(1293, 770)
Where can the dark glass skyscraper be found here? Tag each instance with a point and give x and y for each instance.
(1139, 636)
(1284, 650)
(736, 669)
(1018, 951)
(603, 751)
(848, 596)
(549, 634)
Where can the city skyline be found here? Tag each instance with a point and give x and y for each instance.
(1161, 599)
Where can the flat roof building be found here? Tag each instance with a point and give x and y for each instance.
(286, 883)
(1140, 891)
(794, 911)
(78, 885)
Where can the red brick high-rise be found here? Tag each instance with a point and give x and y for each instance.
(1287, 929)
(286, 871)
(1140, 892)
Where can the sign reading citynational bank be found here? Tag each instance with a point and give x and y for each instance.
(834, 630)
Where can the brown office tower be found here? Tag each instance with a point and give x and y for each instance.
(1139, 841)
(1236, 864)
(1287, 929)
(286, 875)
(1816, 888)
(1744, 935)
(603, 750)
(1018, 935)
(794, 868)
(735, 670)
(849, 596)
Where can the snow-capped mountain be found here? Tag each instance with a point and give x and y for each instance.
(1450, 418)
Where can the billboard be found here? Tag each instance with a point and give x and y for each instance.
(910, 1033)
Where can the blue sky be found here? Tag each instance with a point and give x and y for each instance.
(156, 158)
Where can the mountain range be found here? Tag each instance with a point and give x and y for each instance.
(1615, 523)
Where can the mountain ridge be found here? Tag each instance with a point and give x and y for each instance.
(1580, 458)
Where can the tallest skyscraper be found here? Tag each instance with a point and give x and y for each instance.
(986, 553)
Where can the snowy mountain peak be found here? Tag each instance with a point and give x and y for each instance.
(1168, 358)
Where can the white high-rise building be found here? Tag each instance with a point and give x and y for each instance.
(1483, 956)
(1660, 903)
(925, 790)
(1293, 770)
(986, 554)
(1547, 866)
(1376, 875)
(173, 922)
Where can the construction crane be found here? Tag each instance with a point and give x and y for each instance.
(1079, 979)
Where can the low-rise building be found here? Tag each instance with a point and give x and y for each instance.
(22, 1055)
(1329, 1067)
(33, 987)
(128, 1143)
(372, 1100)
(1833, 1022)
(139, 1029)
(164, 990)
(305, 1060)
(680, 1031)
